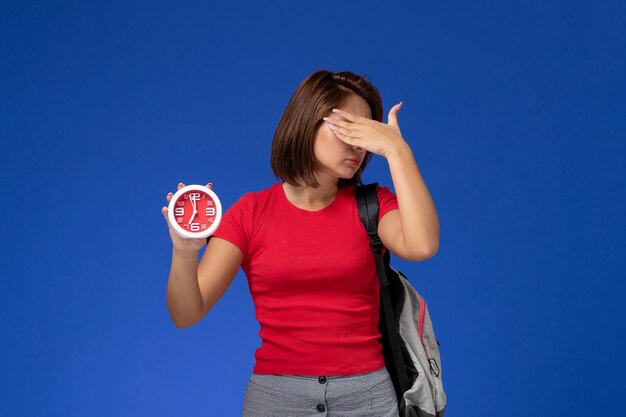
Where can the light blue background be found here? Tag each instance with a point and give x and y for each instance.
(515, 111)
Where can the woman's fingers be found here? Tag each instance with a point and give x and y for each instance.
(168, 197)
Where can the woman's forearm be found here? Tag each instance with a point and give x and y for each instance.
(184, 300)
(420, 223)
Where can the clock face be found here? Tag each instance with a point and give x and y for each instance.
(195, 211)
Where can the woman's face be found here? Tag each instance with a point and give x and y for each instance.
(336, 159)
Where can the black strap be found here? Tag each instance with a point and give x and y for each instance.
(367, 203)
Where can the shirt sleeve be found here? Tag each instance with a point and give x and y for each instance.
(236, 223)
(387, 201)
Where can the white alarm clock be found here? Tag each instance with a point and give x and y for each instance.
(195, 212)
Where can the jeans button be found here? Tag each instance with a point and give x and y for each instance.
(321, 408)
(321, 379)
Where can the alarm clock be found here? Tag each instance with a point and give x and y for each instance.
(194, 212)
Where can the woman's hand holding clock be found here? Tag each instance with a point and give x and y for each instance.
(180, 243)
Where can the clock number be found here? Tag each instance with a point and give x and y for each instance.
(210, 211)
(195, 227)
(194, 196)
(179, 211)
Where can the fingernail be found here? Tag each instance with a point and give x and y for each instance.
(337, 110)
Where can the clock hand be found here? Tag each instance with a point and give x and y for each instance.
(192, 216)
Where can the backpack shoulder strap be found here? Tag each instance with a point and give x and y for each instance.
(367, 203)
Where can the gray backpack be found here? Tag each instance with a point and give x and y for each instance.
(410, 348)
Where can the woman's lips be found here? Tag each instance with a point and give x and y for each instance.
(354, 161)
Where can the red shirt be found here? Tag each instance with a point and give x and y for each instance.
(312, 278)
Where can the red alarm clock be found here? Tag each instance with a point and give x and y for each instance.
(195, 212)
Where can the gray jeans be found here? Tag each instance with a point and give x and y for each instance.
(360, 395)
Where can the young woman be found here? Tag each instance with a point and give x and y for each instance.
(306, 255)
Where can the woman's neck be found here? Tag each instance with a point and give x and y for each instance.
(310, 198)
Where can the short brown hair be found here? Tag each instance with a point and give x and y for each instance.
(292, 155)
